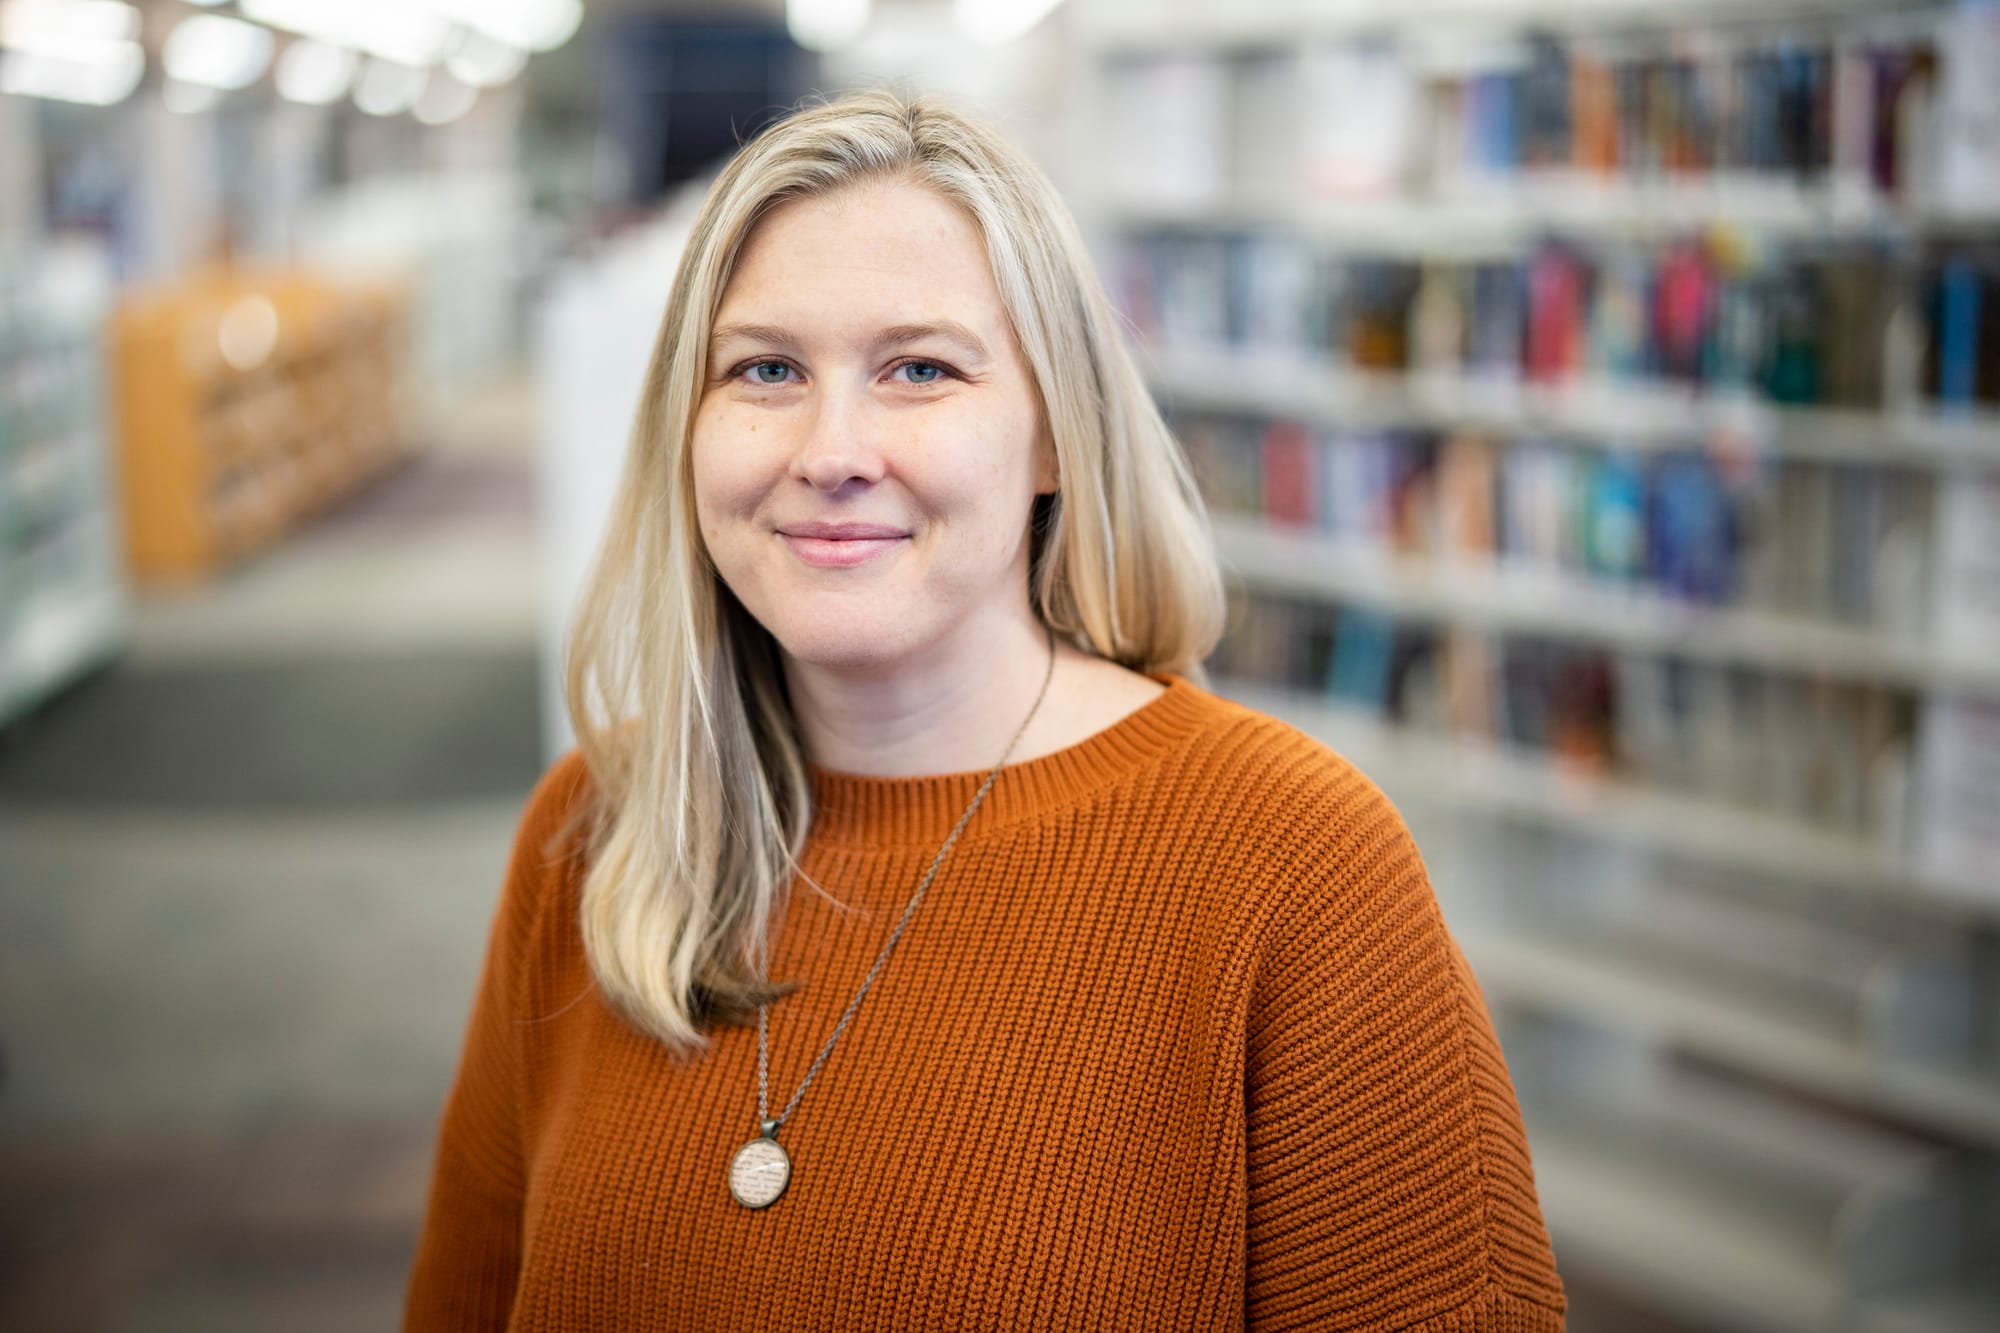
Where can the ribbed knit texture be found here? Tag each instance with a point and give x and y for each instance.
(1177, 1040)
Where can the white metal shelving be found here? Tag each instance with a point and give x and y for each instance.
(1633, 416)
(63, 599)
(1503, 219)
(1496, 780)
(1137, 27)
(1690, 1216)
(1731, 1027)
(1733, 1208)
(1491, 596)
(1683, 1252)
(1690, 1252)
(56, 635)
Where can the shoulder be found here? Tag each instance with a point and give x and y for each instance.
(564, 790)
(1314, 863)
(1281, 796)
(1367, 1044)
(551, 839)
(1252, 746)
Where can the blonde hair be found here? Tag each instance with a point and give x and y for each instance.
(703, 796)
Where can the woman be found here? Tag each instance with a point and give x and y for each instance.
(1100, 1002)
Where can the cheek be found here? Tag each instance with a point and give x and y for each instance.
(986, 489)
(723, 469)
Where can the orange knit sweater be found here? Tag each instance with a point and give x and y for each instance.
(1177, 1040)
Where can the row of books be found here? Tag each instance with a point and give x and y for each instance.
(1871, 113)
(1830, 753)
(1853, 327)
(1848, 543)
(1724, 101)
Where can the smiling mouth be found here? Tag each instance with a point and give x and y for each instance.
(839, 546)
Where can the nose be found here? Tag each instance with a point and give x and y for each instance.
(837, 449)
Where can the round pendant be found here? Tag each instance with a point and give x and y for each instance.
(759, 1172)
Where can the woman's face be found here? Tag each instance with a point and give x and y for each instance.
(868, 445)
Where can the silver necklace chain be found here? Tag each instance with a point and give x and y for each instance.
(770, 1127)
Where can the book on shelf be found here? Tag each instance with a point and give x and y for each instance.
(1169, 119)
(1840, 121)
(1849, 545)
(1955, 810)
(1963, 305)
(1966, 610)
(1289, 464)
(1467, 483)
(1276, 300)
(1267, 140)
(1968, 107)
(1614, 504)
(1692, 529)
(1820, 752)
(1358, 109)
(1853, 327)
(1956, 831)
(1364, 656)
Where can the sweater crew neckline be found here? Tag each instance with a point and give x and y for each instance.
(905, 811)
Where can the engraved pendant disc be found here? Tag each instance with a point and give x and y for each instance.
(759, 1172)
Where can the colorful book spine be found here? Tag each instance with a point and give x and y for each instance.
(1290, 486)
(1958, 327)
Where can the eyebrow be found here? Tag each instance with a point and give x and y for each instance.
(899, 335)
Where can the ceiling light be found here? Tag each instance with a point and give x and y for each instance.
(992, 22)
(530, 25)
(103, 79)
(397, 30)
(443, 100)
(485, 63)
(67, 29)
(386, 88)
(248, 332)
(220, 52)
(826, 25)
(315, 72)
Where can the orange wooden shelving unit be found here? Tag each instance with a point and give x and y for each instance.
(246, 402)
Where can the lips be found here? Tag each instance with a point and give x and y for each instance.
(841, 532)
(839, 545)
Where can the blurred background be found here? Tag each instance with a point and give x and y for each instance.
(1599, 403)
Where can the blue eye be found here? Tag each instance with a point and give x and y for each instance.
(763, 371)
(922, 372)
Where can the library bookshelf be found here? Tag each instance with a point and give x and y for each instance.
(1599, 409)
(1637, 417)
(247, 402)
(63, 602)
(1633, 618)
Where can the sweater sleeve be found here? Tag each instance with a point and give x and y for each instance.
(468, 1255)
(1389, 1183)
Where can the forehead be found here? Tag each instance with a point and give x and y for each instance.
(894, 251)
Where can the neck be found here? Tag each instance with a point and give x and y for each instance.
(953, 712)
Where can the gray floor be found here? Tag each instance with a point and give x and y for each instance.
(246, 879)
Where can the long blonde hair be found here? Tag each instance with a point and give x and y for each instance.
(703, 798)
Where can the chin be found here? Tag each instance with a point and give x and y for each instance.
(841, 633)
(853, 642)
